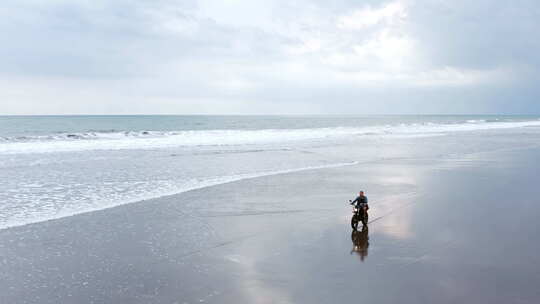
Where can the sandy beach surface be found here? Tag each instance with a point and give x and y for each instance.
(462, 229)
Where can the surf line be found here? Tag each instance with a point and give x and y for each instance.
(210, 182)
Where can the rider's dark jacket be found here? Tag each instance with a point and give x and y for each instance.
(360, 200)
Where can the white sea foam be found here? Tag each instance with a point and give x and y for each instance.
(155, 140)
(35, 215)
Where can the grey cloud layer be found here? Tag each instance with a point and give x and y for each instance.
(168, 56)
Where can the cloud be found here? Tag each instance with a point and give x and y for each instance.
(239, 56)
(391, 13)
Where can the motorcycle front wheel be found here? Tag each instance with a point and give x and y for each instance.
(354, 222)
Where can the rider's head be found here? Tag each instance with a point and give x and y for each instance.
(361, 193)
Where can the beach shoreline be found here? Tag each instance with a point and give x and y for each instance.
(286, 239)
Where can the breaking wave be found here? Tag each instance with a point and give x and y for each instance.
(115, 140)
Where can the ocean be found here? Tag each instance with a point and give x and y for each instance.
(58, 166)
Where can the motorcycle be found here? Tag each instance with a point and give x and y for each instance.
(360, 214)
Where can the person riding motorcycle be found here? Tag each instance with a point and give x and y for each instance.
(360, 211)
(361, 201)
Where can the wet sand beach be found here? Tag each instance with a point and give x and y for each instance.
(462, 229)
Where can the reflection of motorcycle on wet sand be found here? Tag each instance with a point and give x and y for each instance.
(360, 241)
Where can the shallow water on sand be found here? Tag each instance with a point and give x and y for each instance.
(57, 166)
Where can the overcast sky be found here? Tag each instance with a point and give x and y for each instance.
(269, 57)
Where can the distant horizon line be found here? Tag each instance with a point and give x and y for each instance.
(351, 115)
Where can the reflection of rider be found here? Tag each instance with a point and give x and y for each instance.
(360, 241)
(361, 200)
